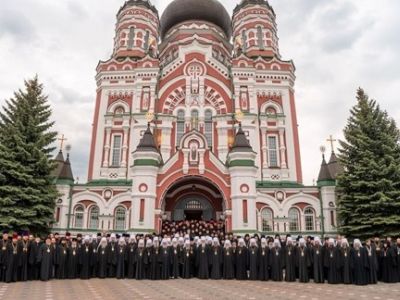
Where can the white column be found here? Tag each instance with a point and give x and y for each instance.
(264, 148)
(282, 148)
(125, 148)
(107, 147)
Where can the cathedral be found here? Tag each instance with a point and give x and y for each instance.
(195, 119)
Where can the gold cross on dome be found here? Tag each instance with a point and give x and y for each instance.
(332, 141)
(62, 140)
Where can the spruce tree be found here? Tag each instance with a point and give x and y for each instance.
(27, 192)
(369, 187)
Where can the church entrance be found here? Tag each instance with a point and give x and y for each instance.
(193, 205)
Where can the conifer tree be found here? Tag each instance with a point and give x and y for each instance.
(27, 192)
(369, 187)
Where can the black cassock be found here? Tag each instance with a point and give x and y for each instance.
(345, 268)
(93, 260)
(11, 261)
(72, 262)
(317, 261)
(303, 262)
(253, 262)
(121, 260)
(372, 265)
(24, 260)
(131, 260)
(153, 263)
(34, 266)
(85, 258)
(241, 263)
(290, 263)
(112, 259)
(397, 252)
(187, 262)
(332, 264)
(389, 269)
(216, 262)
(202, 261)
(359, 263)
(175, 258)
(276, 258)
(46, 260)
(263, 269)
(228, 271)
(165, 262)
(3, 250)
(140, 264)
(102, 262)
(60, 260)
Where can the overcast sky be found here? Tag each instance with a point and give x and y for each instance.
(337, 46)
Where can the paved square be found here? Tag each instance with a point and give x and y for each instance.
(96, 289)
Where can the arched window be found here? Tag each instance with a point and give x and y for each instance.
(79, 211)
(194, 205)
(294, 220)
(195, 119)
(309, 219)
(180, 126)
(94, 217)
(120, 218)
(267, 220)
(208, 123)
(271, 111)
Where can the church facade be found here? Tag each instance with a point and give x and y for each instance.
(195, 118)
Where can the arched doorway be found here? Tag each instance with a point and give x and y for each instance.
(193, 198)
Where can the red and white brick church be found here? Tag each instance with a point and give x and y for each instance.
(195, 119)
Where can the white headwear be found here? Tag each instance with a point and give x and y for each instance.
(164, 243)
(253, 242)
(149, 243)
(215, 241)
(345, 242)
(241, 242)
(302, 242)
(357, 242)
(277, 243)
(113, 236)
(181, 241)
(227, 244)
(187, 243)
(331, 241)
(103, 243)
(203, 239)
(94, 237)
(317, 240)
(141, 243)
(289, 240)
(132, 239)
(121, 241)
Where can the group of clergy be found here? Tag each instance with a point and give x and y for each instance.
(194, 228)
(150, 257)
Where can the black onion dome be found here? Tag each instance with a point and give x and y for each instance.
(205, 10)
(144, 3)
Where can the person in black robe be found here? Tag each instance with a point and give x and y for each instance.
(121, 258)
(175, 259)
(131, 249)
(3, 251)
(46, 260)
(102, 257)
(11, 260)
(34, 266)
(187, 260)
(372, 263)
(263, 253)
(359, 263)
(253, 259)
(303, 261)
(85, 255)
(276, 263)
(216, 260)
(241, 260)
(389, 268)
(165, 259)
(60, 260)
(23, 246)
(228, 270)
(345, 272)
(140, 261)
(290, 260)
(72, 260)
(94, 256)
(112, 256)
(332, 262)
(397, 252)
(155, 273)
(203, 259)
(317, 261)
